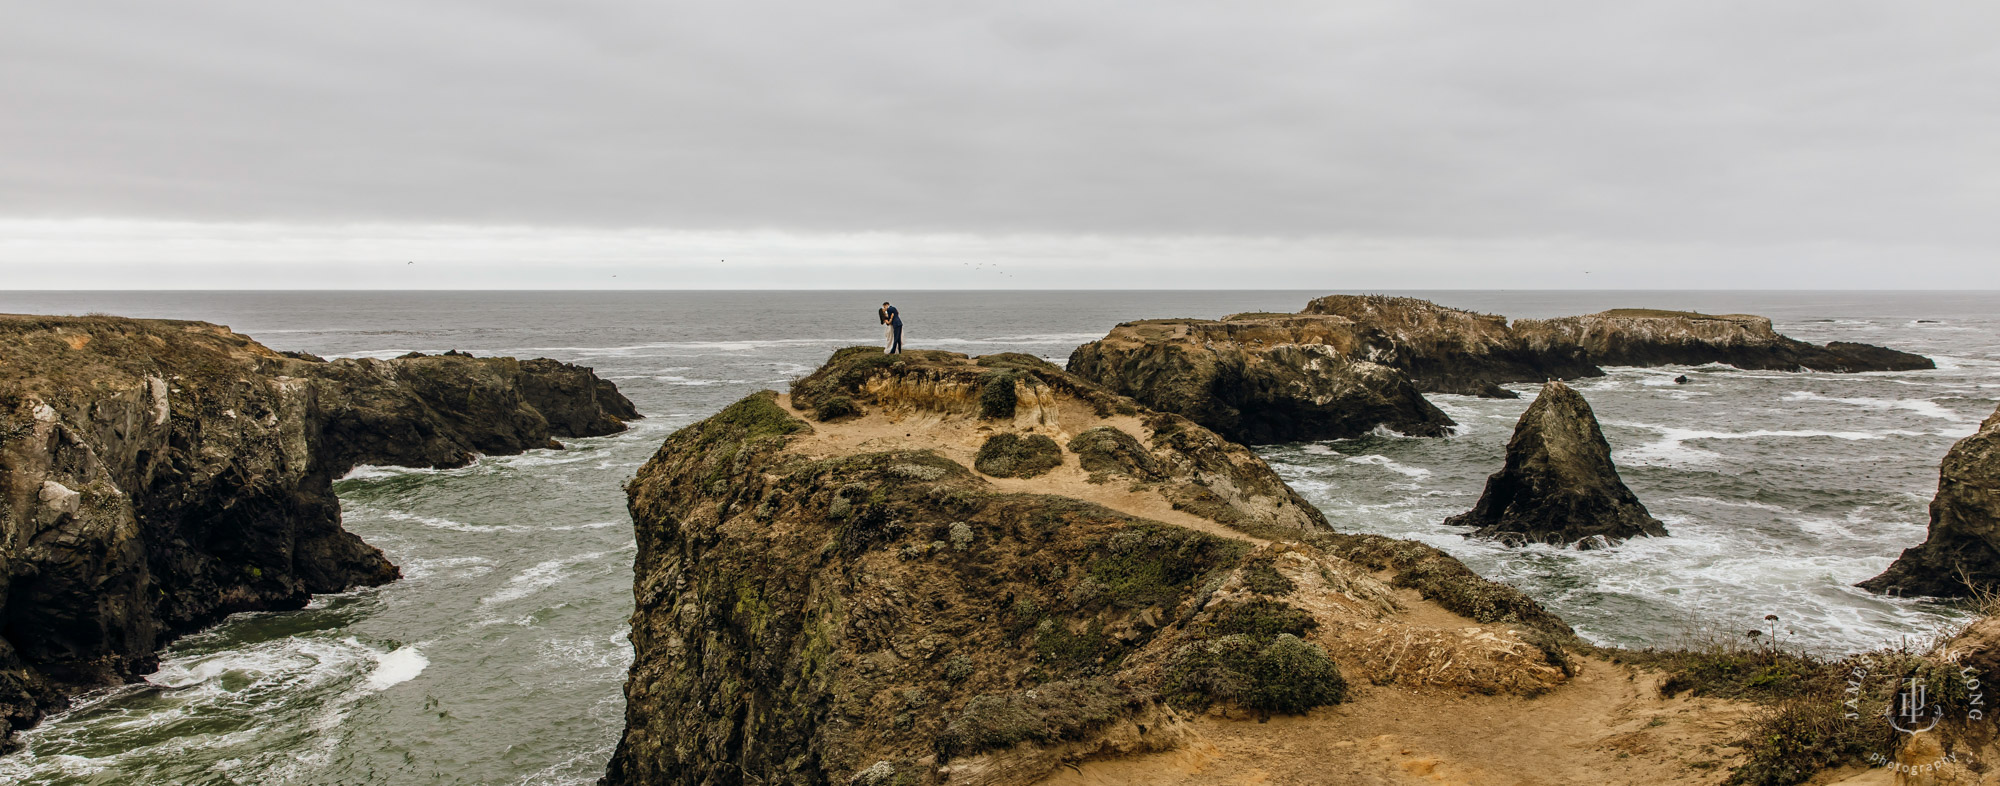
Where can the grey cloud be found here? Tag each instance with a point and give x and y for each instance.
(1650, 122)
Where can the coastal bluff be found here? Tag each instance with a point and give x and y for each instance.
(1960, 555)
(931, 568)
(1346, 365)
(830, 589)
(159, 475)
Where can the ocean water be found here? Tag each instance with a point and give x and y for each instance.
(499, 659)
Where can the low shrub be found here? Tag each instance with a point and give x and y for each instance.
(1263, 578)
(1048, 713)
(1111, 450)
(835, 408)
(1015, 456)
(1282, 674)
(997, 397)
(1254, 654)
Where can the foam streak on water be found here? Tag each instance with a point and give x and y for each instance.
(500, 657)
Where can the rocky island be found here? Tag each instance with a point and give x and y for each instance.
(158, 475)
(1961, 555)
(1349, 364)
(931, 568)
(1559, 485)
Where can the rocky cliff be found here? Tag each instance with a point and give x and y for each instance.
(1962, 551)
(1449, 350)
(829, 590)
(1261, 380)
(156, 476)
(1350, 363)
(1654, 337)
(1559, 485)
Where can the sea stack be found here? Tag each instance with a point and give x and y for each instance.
(1559, 486)
(157, 476)
(1962, 551)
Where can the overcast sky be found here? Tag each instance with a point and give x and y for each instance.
(363, 143)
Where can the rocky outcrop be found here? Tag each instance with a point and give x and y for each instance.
(1349, 364)
(1260, 381)
(1655, 337)
(156, 476)
(1449, 350)
(1559, 485)
(851, 601)
(1962, 552)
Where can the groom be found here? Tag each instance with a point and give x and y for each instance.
(895, 323)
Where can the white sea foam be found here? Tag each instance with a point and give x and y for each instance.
(395, 668)
(540, 577)
(1736, 503)
(1671, 448)
(591, 525)
(1387, 463)
(438, 522)
(698, 383)
(422, 568)
(372, 472)
(1922, 407)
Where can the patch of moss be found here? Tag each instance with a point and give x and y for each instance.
(1263, 578)
(1111, 450)
(836, 408)
(1281, 674)
(1442, 579)
(756, 415)
(843, 374)
(1146, 565)
(1061, 649)
(1049, 713)
(957, 669)
(1017, 361)
(997, 397)
(1259, 619)
(1014, 456)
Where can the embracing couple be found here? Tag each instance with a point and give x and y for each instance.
(892, 328)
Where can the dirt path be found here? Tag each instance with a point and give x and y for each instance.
(1607, 726)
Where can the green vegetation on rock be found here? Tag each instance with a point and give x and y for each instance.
(1263, 578)
(1048, 713)
(1149, 564)
(1011, 455)
(1112, 451)
(836, 408)
(997, 398)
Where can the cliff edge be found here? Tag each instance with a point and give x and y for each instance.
(1961, 554)
(158, 475)
(832, 587)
